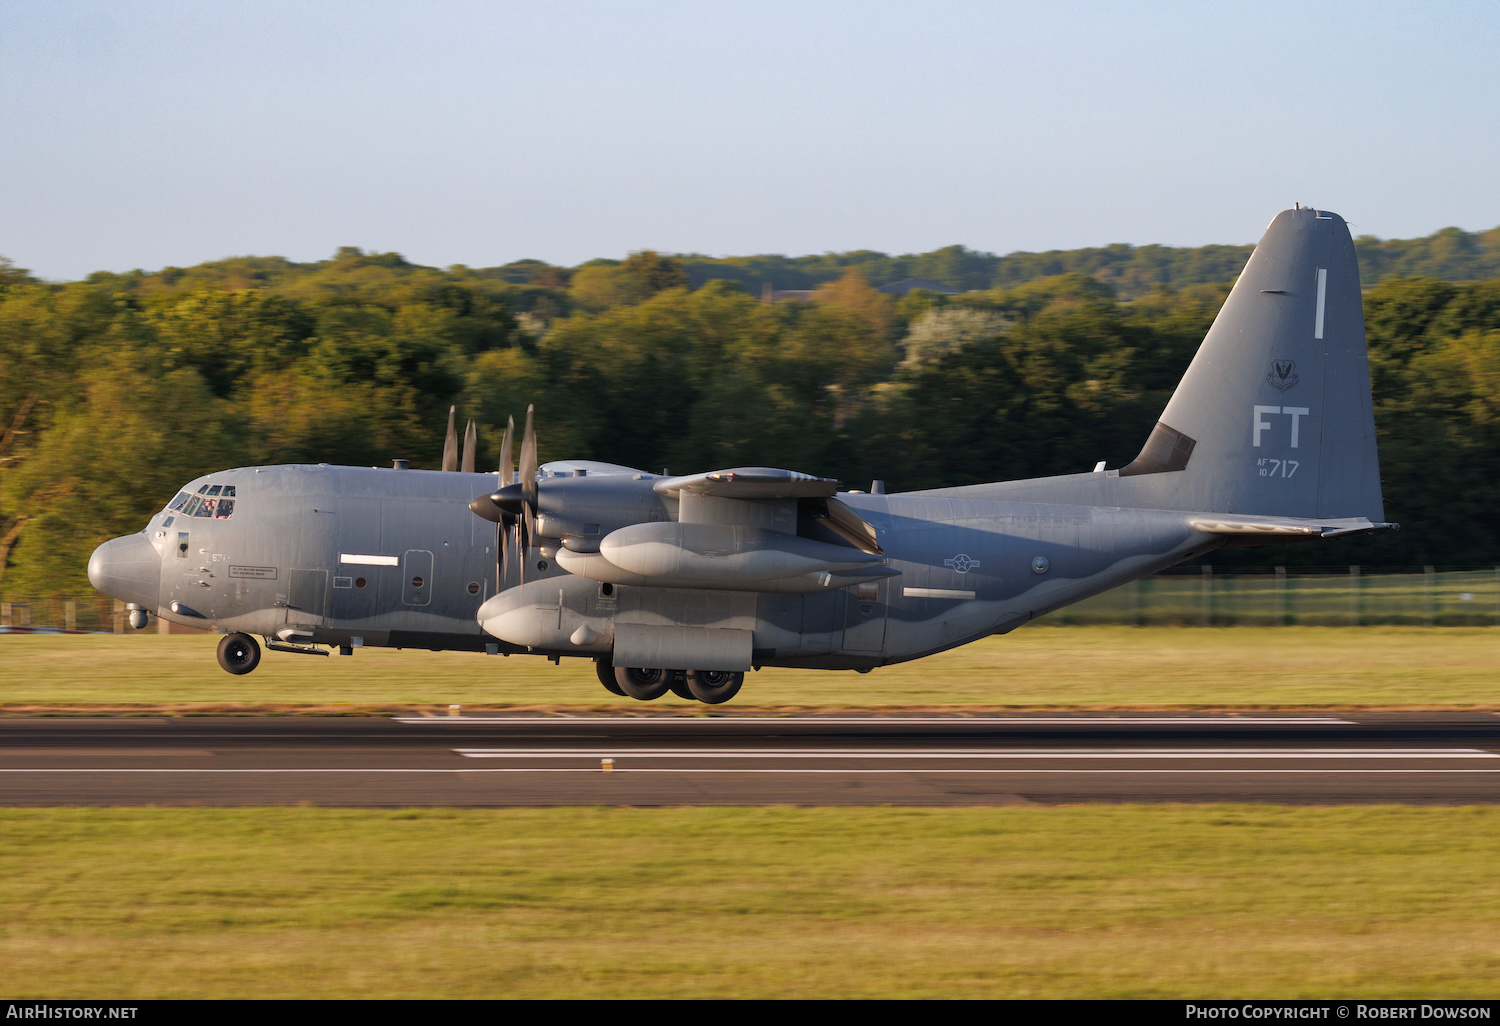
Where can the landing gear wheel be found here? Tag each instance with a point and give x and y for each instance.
(714, 686)
(238, 653)
(606, 671)
(677, 684)
(644, 684)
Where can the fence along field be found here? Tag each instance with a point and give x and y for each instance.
(1273, 597)
(1194, 596)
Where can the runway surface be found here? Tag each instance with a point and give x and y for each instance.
(738, 760)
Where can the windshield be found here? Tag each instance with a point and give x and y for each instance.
(213, 501)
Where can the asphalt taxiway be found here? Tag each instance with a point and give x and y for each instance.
(737, 759)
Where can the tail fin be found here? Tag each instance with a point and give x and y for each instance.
(1273, 416)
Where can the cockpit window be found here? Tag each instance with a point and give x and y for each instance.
(212, 501)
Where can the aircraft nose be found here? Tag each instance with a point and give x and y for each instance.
(127, 569)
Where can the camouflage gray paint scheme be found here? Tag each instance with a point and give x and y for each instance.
(1270, 437)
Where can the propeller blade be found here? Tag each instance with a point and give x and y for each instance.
(471, 442)
(528, 460)
(450, 444)
(526, 529)
(507, 463)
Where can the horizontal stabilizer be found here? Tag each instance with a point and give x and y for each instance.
(1288, 527)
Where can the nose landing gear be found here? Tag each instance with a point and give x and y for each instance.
(238, 653)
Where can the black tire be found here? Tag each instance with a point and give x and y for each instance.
(606, 671)
(714, 687)
(677, 684)
(647, 685)
(238, 653)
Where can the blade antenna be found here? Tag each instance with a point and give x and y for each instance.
(450, 444)
(471, 443)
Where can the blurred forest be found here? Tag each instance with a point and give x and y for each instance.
(117, 389)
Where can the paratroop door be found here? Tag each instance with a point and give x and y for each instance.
(864, 618)
(416, 586)
(306, 596)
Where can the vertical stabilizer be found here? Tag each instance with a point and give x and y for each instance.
(1273, 416)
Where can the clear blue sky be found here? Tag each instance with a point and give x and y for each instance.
(153, 133)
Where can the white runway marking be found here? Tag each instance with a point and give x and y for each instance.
(960, 753)
(846, 721)
(618, 769)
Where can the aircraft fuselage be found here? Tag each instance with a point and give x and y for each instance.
(352, 556)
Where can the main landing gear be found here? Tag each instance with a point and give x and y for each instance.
(239, 653)
(712, 687)
(606, 671)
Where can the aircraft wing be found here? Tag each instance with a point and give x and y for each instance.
(751, 483)
(595, 468)
(1287, 527)
(817, 494)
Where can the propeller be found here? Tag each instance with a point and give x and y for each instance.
(528, 480)
(507, 464)
(450, 444)
(515, 501)
(471, 442)
(505, 522)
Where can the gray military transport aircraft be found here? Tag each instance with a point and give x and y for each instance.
(684, 583)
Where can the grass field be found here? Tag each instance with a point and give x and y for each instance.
(1014, 901)
(1035, 666)
(1091, 901)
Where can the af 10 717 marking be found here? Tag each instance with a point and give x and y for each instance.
(684, 583)
(1277, 468)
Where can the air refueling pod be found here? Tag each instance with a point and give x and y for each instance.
(722, 557)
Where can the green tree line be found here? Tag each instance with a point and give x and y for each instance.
(117, 389)
(1451, 254)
